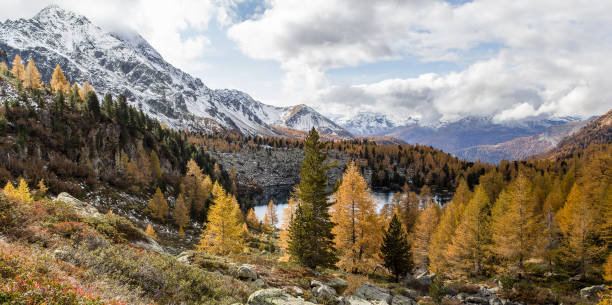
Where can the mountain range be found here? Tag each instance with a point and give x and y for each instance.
(127, 64)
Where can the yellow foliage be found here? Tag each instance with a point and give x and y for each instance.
(270, 218)
(31, 76)
(181, 212)
(59, 81)
(196, 187)
(23, 192)
(252, 220)
(357, 231)
(224, 232)
(423, 230)
(42, 188)
(284, 232)
(150, 231)
(18, 70)
(158, 205)
(608, 269)
(9, 190)
(3, 68)
(86, 88)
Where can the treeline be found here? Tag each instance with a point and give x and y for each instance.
(391, 166)
(63, 134)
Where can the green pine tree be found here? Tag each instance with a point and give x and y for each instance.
(312, 213)
(396, 250)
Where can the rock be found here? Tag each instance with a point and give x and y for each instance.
(370, 292)
(461, 296)
(325, 294)
(425, 278)
(183, 257)
(259, 283)
(274, 296)
(315, 283)
(149, 244)
(402, 300)
(493, 290)
(408, 280)
(247, 272)
(476, 300)
(353, 300)
(592, 293)
(495, 301)
(296, 290)
(338, 284)
(83, 209)
(411, 293)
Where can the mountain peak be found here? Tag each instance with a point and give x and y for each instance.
(55, 12)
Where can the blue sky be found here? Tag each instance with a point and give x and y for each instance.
(430, 60)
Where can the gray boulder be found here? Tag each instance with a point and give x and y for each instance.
(326, 295)
(592, 293)
(259, 283)
(353, 300)
(274, 296)
(425, 278)
(338, 284)
(247, 272)
(476, 300)
(83, 209)
(402, 300)
(371, 292)
(183, 257)
(495, 301)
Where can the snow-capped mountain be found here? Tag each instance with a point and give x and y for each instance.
(367, 123)
(126, 64)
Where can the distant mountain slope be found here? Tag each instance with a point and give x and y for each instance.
(367, 123)
(598, 131)
(523, 147)
(127, 64)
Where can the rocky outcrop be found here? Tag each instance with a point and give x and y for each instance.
(274, 296)
(338, 284)
(370, 292)
(247, 272)
(83, 209)
(592, 293)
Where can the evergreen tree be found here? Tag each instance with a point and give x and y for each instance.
(31, 76)
(357, 231)
(513, 222)
(59, 81)
(158, 205)
(84, 90)
(18, 70)
(223, 234)
(270, 218)
(312, 213)
(180, 212)
(423, 231)
(107, 106)
(395, 249)
(93, 105)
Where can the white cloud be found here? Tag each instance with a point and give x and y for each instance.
(552, 58)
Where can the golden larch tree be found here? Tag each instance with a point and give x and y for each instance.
(196, 188)
(181, 213)
(158, 205)
(31, 77)
(444, 232)
(357, 232)
(9, 190)
(23, 191)
(608, 268)
(423, 230)
(86, 88)
(468, 248)
(223, 233)
(3, 68)
(288, 213)
(150, 231)
(251, 220)
(270, 218)
(17, 69)
(59, 81)
(578, 223)
(514, 224)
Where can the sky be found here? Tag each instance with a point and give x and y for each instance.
(430, 60)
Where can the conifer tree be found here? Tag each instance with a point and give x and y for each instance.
(93, 105)
(608, 269)
(357, 230)
(223, 233)
(150, 231)
(577, 221)
(395, 249)
(59, 81)
(312, 212)
(42, 189)
(23, 191)
(180, 212)
(18, 70)
(252, 220)
(513, 222)
(155, 167)
(196, 189)
(423, 231)
(108, 105)
(158, 205)
(86, 88)
(270, 218)
(468, 248)
(288, 214)
(3, 68)
(9, 190)
(31, 76)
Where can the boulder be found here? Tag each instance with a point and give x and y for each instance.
(371, 292)
(150, 244)
(295, 290)
(325, 294)
(259, 283)
(353, 300)
(83, 209)
(592, 293)
(408, 280)
(274, 296)
(315, 283)
(402, 300)
(411, 293)
(476, 300)
(183, 257)
(247, 272)
(425, 278)
(338, 284)
(495, 301)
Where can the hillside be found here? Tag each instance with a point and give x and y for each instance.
(127, 64)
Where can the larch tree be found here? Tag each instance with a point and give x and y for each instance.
(155, 167)
(608, 268)
(468, 248)
(444, 232)
(425, 226)
(59, 81)
(271, 218)
(86, 88)
(17, 69)
(31, 79)
(251, 220)
(283, 235)
(224, 232)
(180, 212)
(9, 190)
(23, 191)
(395, 249)
(578, 223)
(158, 205)
(312, 213)
(408, 209)
(3, 68)
(357, 230)
(514, 224)
(150, 231)
(196, 189)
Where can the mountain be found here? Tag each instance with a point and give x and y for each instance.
(598, 131)
(454, 137)
(367, 123)
(522, 147)
(127, 64)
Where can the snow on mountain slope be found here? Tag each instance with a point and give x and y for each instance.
(367, 123)
(121, 63)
